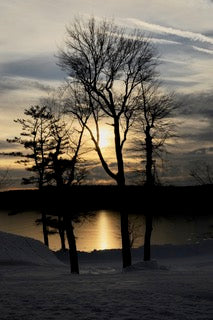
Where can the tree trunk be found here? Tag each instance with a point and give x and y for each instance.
(149, 160)
(126, 248)
(72, 245)
(61, 232)
(43, 214)
(149, 184)
(147, 238)
(119, 156)
(44, 225)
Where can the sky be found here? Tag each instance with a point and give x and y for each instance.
(31, 31)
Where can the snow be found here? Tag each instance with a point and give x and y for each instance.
(23, 250)
(145, 265)
(35, 285)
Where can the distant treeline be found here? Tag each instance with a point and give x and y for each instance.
(134, 199)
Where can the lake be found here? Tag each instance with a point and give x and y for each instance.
(102, 231)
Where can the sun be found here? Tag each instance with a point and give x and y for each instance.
(105, 137)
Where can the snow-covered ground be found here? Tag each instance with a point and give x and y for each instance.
(35, 285)
(15, 250)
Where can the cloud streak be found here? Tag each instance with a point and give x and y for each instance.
(168, 30)
(18, 83)
(203, 50)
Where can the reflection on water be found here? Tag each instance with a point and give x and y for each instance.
(104, 227)
(102, 231)
(21, 224)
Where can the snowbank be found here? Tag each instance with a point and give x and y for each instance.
(145, 265)
(204, 247)
(18, 250)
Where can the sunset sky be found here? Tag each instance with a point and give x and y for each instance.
(32, 30)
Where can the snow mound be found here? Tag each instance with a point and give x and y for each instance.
(145, 265)
(18, 250)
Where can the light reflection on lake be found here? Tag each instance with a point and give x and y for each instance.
(102, 231)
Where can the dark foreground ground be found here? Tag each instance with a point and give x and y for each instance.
(181, 291)
(35, 285)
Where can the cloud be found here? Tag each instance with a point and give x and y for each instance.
(164, 41)
(181, 30)
(197, 104)
(38, 67)
(177, 85)
(209, 33)
(169, 30)
(203, 50)
(203, 151)
(6, 146)
(194, 119)
(18, 83)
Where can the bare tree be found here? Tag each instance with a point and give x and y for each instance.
(202, 173)
(109, 64)
(155, 126)
(135, 227)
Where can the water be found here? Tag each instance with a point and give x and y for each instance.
(102, 231)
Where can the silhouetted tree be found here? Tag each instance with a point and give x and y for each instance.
(53, 151)
(134, 230)
(109, 64)
(54, 226)
(35, 138)
(154, 122)
(51, 155)
(64, 158)
(66, 172)
(73, 254)
(202, 173)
